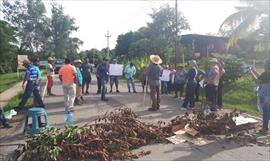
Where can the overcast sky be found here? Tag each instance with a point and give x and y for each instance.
(95, 17)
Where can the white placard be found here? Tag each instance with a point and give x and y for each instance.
(165, 75)
(116, 69)
(21, 58)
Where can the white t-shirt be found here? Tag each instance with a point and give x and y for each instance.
(49, 70)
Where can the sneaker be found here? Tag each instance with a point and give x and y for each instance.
(51, 94)
(183, 109)
(152, 109)
(117, 91)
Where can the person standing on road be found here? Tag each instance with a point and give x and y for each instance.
(220, 84)
(263, 80)
(32, 76)
(179, 81)
(50, 74)
(130, 72)
(191, 84)
(212, 82)
(98, 80)
(68, 78)
(153, 76)
(79, 82)
(102, 74)
(114, 79)
(143, 80)
(87, 69)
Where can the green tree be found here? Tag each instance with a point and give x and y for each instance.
(244, 21)
(162, 30)
(62, 27)
(8, 49)
(31, 23)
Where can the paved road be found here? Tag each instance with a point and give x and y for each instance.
(220, 150)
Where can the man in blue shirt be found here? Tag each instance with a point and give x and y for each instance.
(79, 82)
(190, 88)
(102, 75)
(32, 76)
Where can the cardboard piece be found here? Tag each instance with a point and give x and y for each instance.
(116, 69)
(20, 59)
(241, 120)
(191, 131)
(177, 127)
(179, 132)
(177, 139)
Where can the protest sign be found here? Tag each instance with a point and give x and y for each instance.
(165, 75)
(116, 69)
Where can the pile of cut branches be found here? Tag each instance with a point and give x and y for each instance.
(111, 137)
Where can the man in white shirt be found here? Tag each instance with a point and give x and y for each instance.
(50, 73)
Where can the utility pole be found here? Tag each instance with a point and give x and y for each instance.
(108, 48)
(176, 33)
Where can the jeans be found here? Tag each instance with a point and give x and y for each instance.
(3, 120)
(190, 92)
(114, 79)
(164, 87)
(264, 96)
(211, 93)
(131, 81)
(155, 97)
(31, 87)
(69, 90)
(98, 85)
(103, 88)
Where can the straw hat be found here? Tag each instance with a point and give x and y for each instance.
(77, 61)
(155, 59)
(50, 59)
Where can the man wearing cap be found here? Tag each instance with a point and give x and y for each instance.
(102, 74)
(114, 79)
(68, 78)
(79, 82)
(32, 76)
(212, 81)
(50, 73)
(86, 73)
(153, 76)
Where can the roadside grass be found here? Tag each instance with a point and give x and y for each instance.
(8, 80)
(14, 101)
(240, 95)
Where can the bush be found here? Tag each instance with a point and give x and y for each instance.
(234, 67)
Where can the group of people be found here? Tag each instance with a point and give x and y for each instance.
(189, 82)
(75, 78)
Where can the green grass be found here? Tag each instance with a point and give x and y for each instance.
(14, 101)
(8, 80)
(240, 95)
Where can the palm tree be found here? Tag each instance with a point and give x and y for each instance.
(248, 19)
